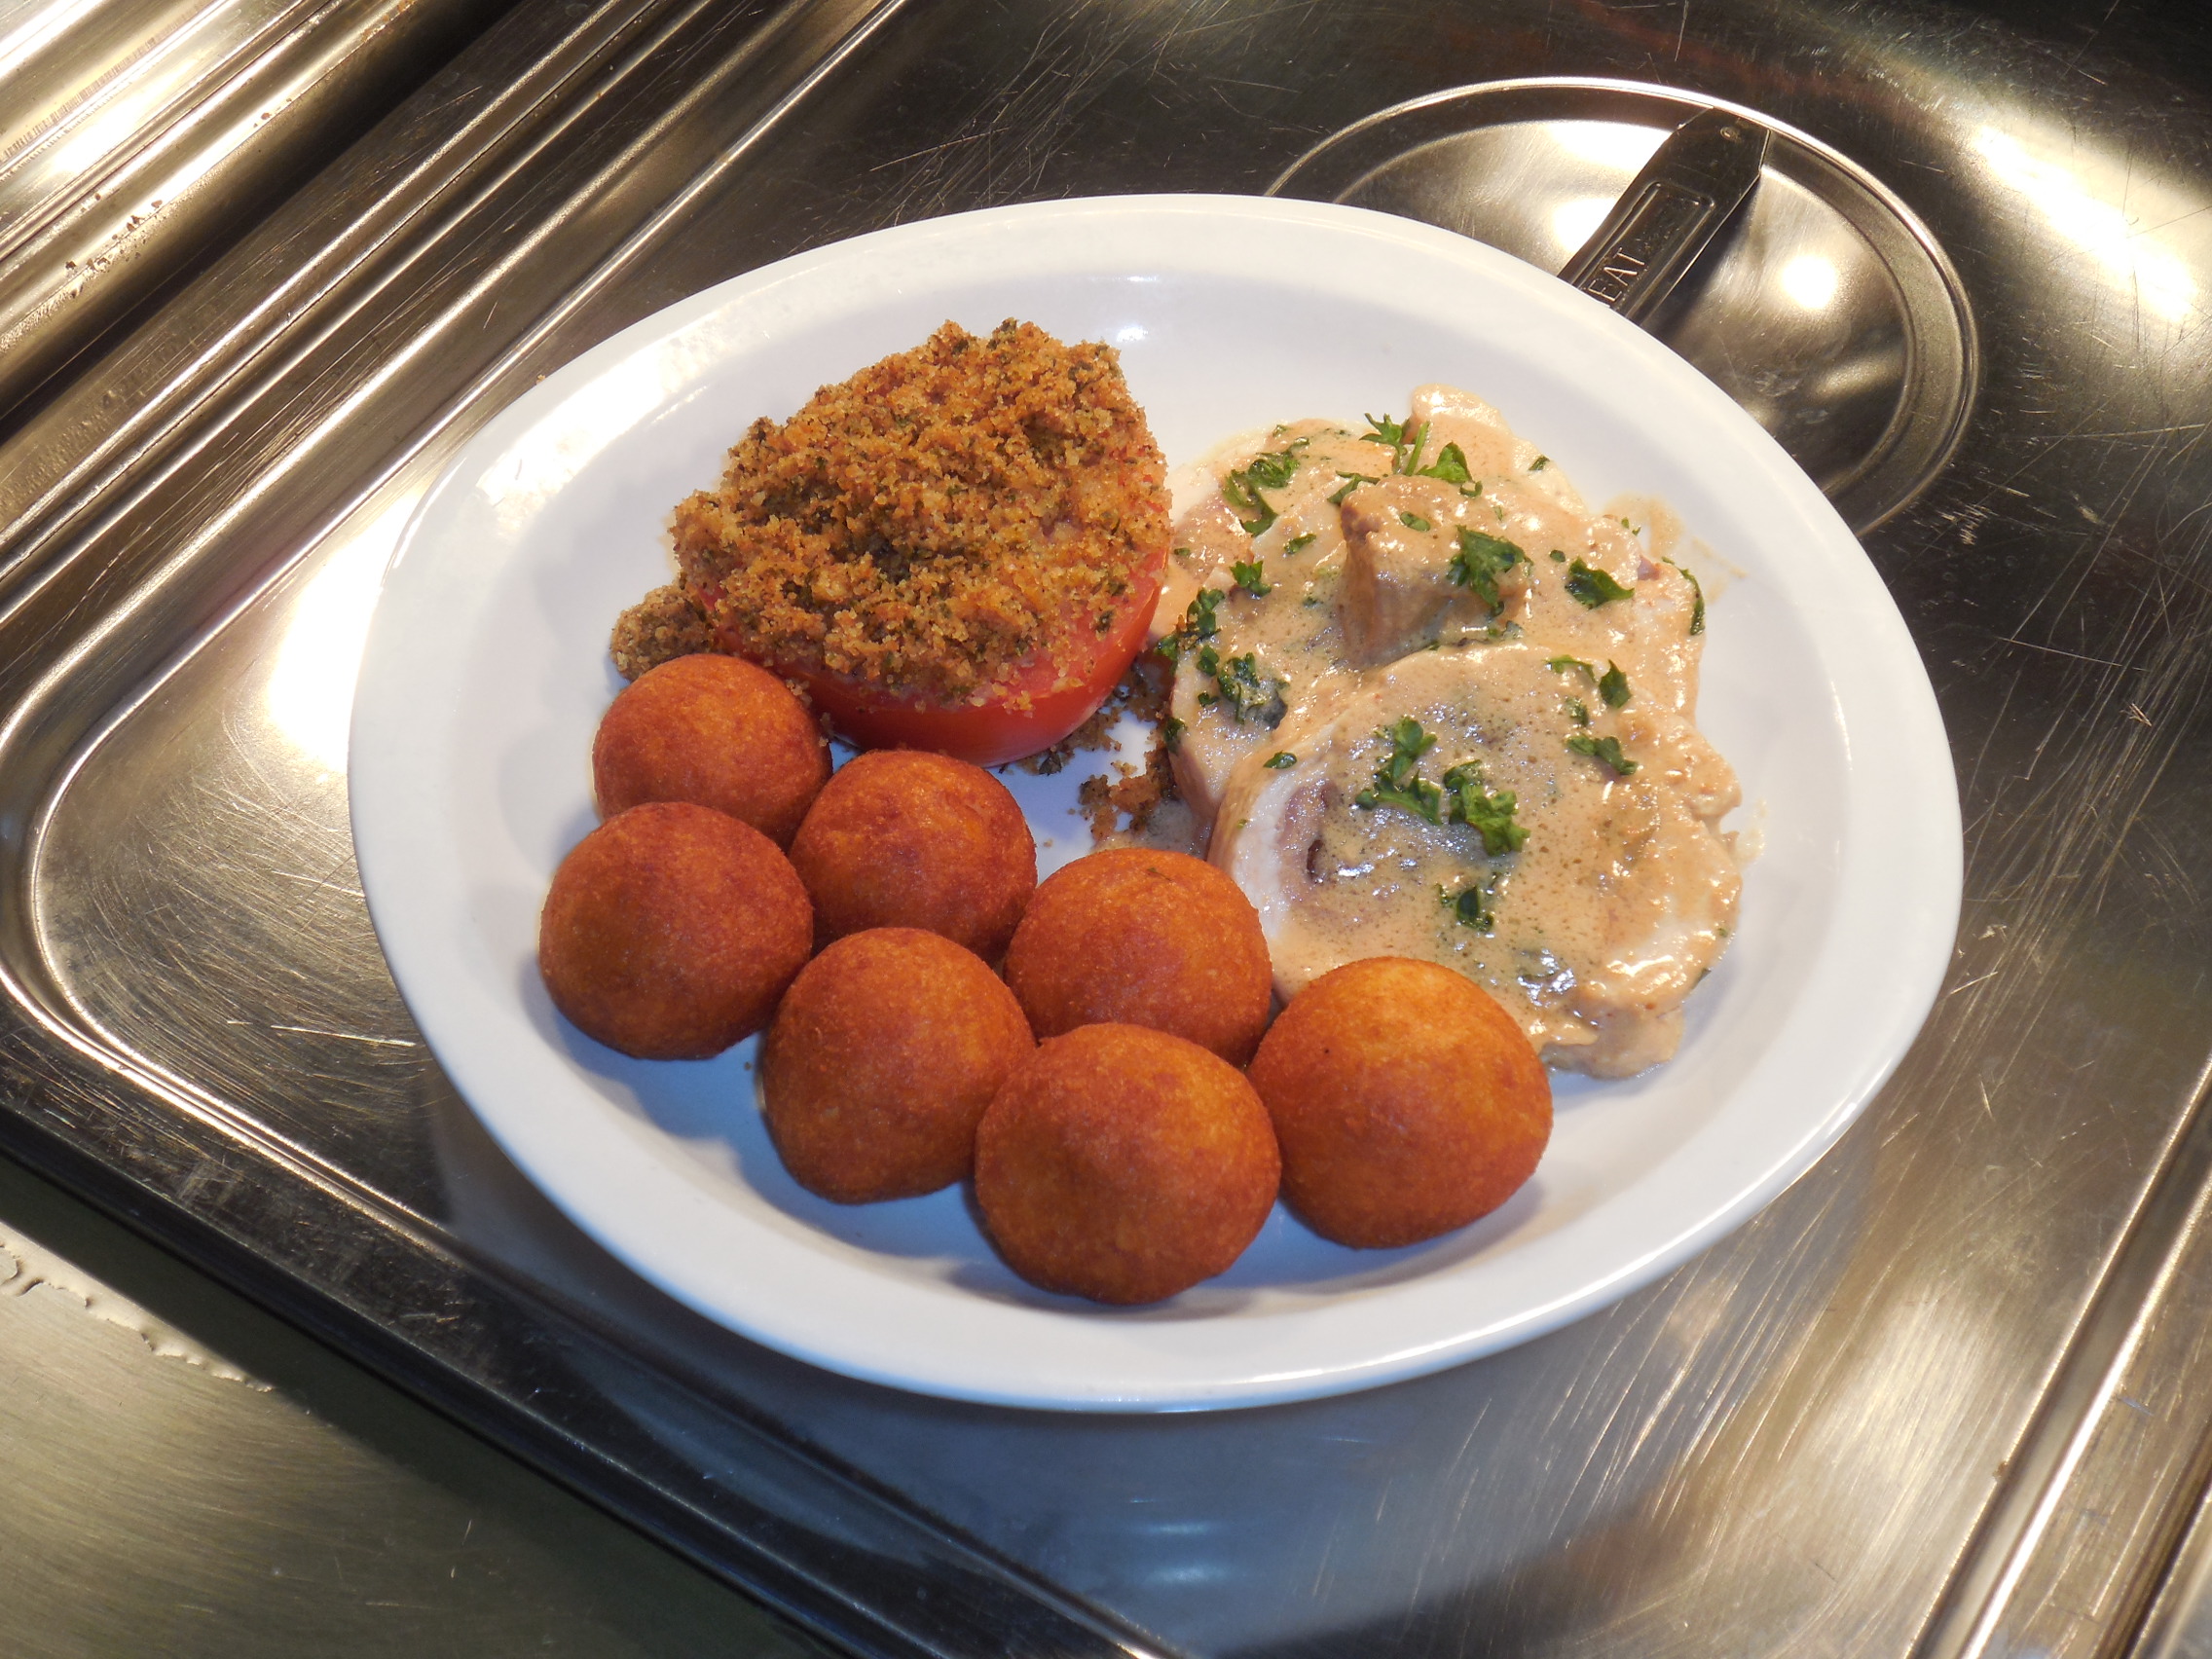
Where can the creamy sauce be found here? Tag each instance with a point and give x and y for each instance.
(1379, 607)
(1294, 631)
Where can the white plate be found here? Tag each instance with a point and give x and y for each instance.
(486, 672)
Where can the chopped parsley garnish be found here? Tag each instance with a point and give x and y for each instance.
(1281, 761)
(1381, 430)
(1298, 544)
(1199, 616)
(1591, 588)
(1396, 780)
(1270, 471)
(1414, 521)
(1489, 813)
(1462, 800)
(1171, 735)
(1481, 560)
(1606, 748)
(1198, 623)
(1239, 688)
(1403, 437)
(1578, 710)
(1182, 552)
(1469, 906)
(1697, 605)
(1451, 465)
(1105, 620)
(1612, 685)
(1274, 470)
(1539, 463)
(1356, 480)
(1250, 506)
(1557, 558)
(1252, 579)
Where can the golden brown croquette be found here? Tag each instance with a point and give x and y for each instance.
(715, 731)
(883, 1056)
(1146, 939)
(1124, 1165)
(900, 838)
(671, 931)
(1406, 1100)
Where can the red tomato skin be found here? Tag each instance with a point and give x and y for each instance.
(991, 733)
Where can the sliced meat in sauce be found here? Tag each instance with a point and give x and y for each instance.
(1408, 581)
(1292, 633)
(1332, 583)
(1619, 900)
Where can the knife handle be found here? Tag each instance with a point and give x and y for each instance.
(1669, 213)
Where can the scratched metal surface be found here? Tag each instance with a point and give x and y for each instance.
(1947, 1396)
(136, 133)
(190, 1477)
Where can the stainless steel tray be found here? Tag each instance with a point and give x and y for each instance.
(136, 133)
(1945, 1396)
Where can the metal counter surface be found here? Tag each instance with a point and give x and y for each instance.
(138, 137)
(187, 1475)
(1946, 1396)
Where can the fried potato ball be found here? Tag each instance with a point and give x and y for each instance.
(1144, 937)
(671, 931)
(900, 838)
(715, 730)
(1406, 1100)
(883, 1056)
(1124, 1165)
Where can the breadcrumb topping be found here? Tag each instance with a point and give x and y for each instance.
(936, 526)
(1138, 796)
(662, 625)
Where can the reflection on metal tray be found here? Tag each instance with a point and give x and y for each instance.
(1947, 1396)
(136, 133)
(1829, 313)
